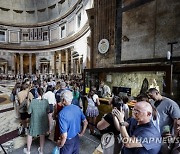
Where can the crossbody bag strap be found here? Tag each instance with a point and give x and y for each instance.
(27, 95)
(94, 101)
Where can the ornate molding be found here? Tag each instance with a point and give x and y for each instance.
(59, 43)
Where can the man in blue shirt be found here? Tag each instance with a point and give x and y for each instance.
(70, 119)
(145, 138)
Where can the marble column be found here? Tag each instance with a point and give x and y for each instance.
(30, 63)
(78, 66)
(55, 67)
(67, 63)
(43, 69)
(74, 66)
(37, 64)
(71, 62)
(6, 68)
(21, 64)
(18, 64)
(13, 64)
(60, 65)
(51, 68)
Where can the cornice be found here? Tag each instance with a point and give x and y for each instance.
(62, 42)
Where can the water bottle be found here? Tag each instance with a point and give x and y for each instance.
(56, 150)
(166, 130)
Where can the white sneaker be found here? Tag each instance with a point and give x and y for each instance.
(39, 150)
(26, 151)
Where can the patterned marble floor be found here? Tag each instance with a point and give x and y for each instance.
(7, 118)
(8, 125)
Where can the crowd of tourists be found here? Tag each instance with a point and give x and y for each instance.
(40, 102)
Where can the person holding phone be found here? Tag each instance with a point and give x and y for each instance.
(107, 125)
(144, 136)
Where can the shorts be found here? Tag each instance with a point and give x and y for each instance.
(24, 116)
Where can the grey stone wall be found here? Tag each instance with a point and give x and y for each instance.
(149, 28)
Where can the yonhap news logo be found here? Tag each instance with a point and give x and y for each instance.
(146, 140)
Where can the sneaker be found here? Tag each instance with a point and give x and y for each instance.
(39, 150)
(26, 151)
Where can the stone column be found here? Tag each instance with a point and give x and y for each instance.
(77, 66)
(55, 67)
(74, 66)
(71, 62)
(60, 65)
(51, 69)
(80, 67)
(18, 64)
(30, 63)
(13, 64)
(6, 68)
(21, 64)
(43, 68)
(37, 64)
(67, 62)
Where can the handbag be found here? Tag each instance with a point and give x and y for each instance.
(107, 140)
(23, 105)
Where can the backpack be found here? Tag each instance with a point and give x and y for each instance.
(23, 105)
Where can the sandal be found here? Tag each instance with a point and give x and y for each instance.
(26, 151)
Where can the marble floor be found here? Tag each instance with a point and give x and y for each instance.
(9, 125)
(8, 121)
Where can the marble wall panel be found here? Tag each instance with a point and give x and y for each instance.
(14, 37)
(134, 80)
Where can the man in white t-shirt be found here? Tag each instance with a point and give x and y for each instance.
(104, 89)
(50, 96)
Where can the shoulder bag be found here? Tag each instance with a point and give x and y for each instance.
(107, 140)
(23, 105)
